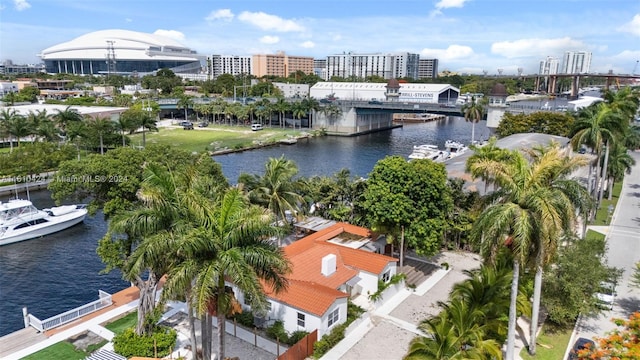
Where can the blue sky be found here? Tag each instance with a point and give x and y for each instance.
(468, 36)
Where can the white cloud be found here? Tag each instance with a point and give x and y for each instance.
(221, 14)
(308, 44)
(536, 47)
(632, 27)
(453, 52)
(445, 4)
(21, 5)
(269, 39)
(171, 34)
(128, 20)
(269, 22)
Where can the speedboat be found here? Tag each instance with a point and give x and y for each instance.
(428, 151)
(455, 148)
(20, 220)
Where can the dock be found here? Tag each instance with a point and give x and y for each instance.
(417, 118)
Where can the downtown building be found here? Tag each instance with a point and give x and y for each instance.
(280, 65)
(576, 62)
(427, 68)
(361, 66)
(229, 64)
(549, 66)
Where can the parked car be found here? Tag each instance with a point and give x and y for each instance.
(606, 295)
(187, 125)
(375, 102)
(203, 124)
(256, 127)
(580, 344)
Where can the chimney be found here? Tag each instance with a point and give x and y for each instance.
(328, 265)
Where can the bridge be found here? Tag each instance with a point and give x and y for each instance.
(610, 77)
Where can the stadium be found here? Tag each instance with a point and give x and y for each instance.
(121, 52)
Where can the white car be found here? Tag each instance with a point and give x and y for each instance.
(606, 295)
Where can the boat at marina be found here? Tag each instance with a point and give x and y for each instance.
(20, 220)
(455, 148)
(428, 151)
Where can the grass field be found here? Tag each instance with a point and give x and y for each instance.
(61, 350)
(552, 344)
(602, 215)
(214, 138)
(123, 323)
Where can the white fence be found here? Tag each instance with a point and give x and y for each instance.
(68, 316)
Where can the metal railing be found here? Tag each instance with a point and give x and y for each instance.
(71, 315)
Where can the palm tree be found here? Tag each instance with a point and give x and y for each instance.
(275, 190)
(66, 117)
(123, 125)
(598, 126)
(11, 123)
(531, 209)
(184, 102)
(298, 110)
(230, 244)
(620, 162)
(101, 126)
(312, 105)
(138, 118)
(473, 111)
(281, 106)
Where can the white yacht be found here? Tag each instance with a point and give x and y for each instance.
(428, 151)
(20, 220)
(455, 148)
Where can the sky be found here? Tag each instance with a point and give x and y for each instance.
(467, 36)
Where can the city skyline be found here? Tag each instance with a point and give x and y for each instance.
(466, 36)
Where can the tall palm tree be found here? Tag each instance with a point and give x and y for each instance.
(620, 162)
(275, 189)
(473, 111)
(230, 244)
(101, 126)
(532, 207)
(281, 106)
(598, 126)
(123, 125)
(298, 110)
(13, 125)
(65, 117)
(184, 102)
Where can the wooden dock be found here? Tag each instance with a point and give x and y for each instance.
(417, 118)
(19, 340)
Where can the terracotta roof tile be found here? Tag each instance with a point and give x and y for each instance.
(308, 296)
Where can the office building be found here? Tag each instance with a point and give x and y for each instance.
(427, 68)
(7, 67)
(549, 66)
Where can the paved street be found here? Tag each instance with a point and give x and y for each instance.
(623, 240)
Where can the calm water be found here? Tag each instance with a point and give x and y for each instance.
(59, 272)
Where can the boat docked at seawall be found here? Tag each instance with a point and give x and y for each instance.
(20, 220)
(428, 151)
(455, 148)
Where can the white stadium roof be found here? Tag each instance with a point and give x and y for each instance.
(129, 45)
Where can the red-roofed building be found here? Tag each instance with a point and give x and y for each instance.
(328, 267)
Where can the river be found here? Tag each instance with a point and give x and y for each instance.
(62, 271)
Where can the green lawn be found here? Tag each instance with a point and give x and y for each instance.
(552, 344)
(61, 350)
(602, 215)
(214, 138)
(123, 323)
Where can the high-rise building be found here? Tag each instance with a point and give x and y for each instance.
(549, 66)
(427, 68)
(361, 66)
(229, 64)
(280, 64)
(576, 62)
(320, 68)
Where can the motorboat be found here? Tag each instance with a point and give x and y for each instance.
(455, 148)
(20, 220)
(428, 151)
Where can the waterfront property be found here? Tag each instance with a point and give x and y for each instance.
(328, 267)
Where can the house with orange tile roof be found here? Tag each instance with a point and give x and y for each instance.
(328, 267)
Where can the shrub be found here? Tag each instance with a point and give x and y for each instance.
(244, 318)
(296, 336)
(129, 344)
(277, 332)
(329, 340)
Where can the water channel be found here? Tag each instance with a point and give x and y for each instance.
(62, 271)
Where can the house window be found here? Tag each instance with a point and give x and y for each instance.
(300, 319)
(334, 316)
(385, 276)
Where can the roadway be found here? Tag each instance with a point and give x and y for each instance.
(623, 241)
